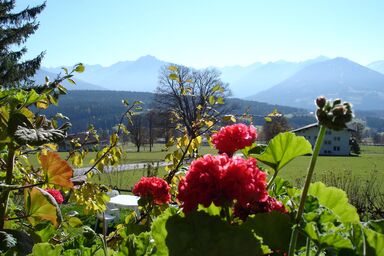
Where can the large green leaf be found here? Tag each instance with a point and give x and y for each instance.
(47, 249)
(40, 205)
(275, 228)
(283, 148)
(201, 234)
(336, 200)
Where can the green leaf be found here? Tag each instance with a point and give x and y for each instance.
(40, 205)
(336, 200)
(211, 100)
(376, 225)
(75, 222)
(375, 242)
(47, 249)
(71, 81)
(32, 97)
(201, 234)
(283, 148)
(275, 228)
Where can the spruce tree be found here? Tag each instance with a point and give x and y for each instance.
(15, 28)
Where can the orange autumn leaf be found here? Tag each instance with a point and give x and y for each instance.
(57, 170)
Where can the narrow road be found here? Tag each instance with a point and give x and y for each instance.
(119, 168)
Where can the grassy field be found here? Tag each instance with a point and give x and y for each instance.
(131, 156)
(371, 159)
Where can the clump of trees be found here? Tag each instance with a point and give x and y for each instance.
(16, 27)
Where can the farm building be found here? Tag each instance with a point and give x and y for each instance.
(336, 143)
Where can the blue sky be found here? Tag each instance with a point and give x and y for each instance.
(202, 33)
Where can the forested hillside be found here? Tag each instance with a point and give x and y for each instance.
(104, 108)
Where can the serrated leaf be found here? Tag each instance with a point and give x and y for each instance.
(283, 148)
(57, 170)
(336, 200)
(40, 205)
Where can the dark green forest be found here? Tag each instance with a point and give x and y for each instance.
(103, 109)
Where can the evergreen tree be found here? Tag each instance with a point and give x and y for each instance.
(15, 28)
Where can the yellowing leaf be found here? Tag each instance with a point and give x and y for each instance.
(172, 68)
(40, 205)
(57, 170)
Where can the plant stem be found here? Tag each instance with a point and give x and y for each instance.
(311, 168)
(272, 179)
(308, 249)
(227, 215)
(8, 180)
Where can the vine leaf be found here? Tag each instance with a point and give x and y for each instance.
(57, 170)
(283, 148)
(40, 205)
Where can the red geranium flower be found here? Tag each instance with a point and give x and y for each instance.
(244, 182)
(222, 180)
(271, 204)
(56, 194)
(202, 185)
(156, 189)
(231, 138)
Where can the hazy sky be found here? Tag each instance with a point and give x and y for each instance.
(201, 33)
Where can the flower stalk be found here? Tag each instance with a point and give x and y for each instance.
(8, 180)
(311, 168)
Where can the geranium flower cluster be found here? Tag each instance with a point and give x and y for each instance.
(56, 194)
(231, 138)
(228, 181)
(222, 180)
(153, 188)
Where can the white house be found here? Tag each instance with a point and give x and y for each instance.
(335, 143)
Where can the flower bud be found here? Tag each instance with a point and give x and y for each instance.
(320, 101)
(338, 110)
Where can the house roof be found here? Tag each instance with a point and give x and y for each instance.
(349, 128)
(83, 137)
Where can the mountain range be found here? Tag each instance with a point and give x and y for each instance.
(294, 84)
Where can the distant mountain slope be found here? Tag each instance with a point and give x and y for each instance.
(334, 78)
(40, 75)
(377, 66)
(257, 77)
(139, 75)
(142, 75)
